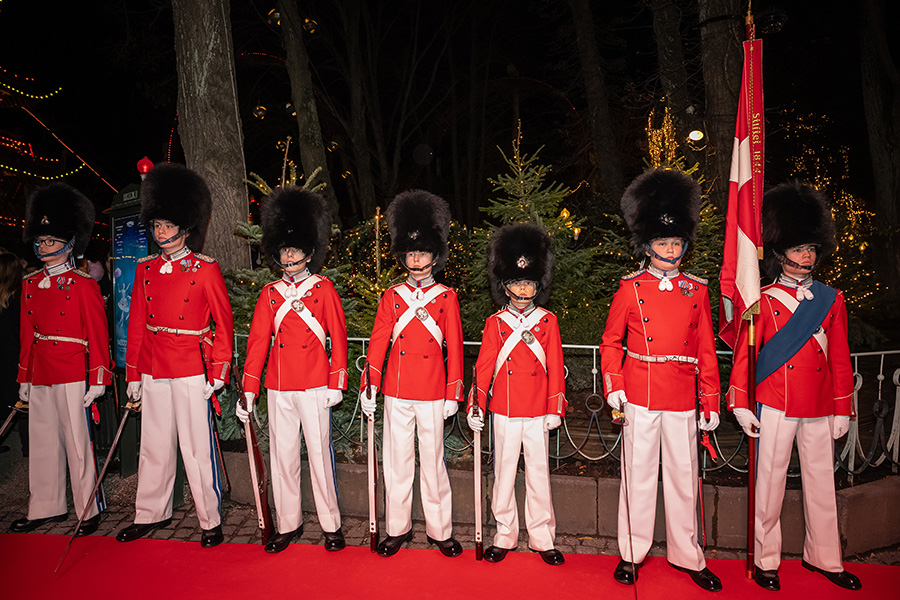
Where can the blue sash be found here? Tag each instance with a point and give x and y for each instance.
(802, 324)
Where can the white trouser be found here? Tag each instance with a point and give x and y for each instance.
(173, 411)
(58, 429)
(646, 433)
(511, 435)
(822, 543)
(402, 419)
(288, 412)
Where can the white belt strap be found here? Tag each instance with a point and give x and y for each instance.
(791, 303)
(177, 331)
(662, 358)
(521, 332)
(415, 309)
(296, 305)
(60, 338)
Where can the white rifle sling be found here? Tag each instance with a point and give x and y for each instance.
(791, 303)
(518, 328)
(413, 311)
(303, 312)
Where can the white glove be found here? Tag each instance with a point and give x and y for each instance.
(133, 391)
(746, 419)
(368, 406)
(840, 426)
(209, 388)
(243, 414)
(450, 408)
(94, 392)
(551, 422)
(333, 397)
(616, 400)
(475, 423)
(24, 392)
(711, 424)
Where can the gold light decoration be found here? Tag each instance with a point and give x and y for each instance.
(661, 143)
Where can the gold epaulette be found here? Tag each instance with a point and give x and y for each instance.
(82, 273)
(634, 274)
(32, 274)
(204, 257)
(694, 278)
(146, 258)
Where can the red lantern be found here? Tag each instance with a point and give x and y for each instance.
(144, 165)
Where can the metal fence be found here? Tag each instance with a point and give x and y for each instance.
(588, 434)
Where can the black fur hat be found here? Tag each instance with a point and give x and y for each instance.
(419, 221)
(296, 218)
(516, 252)
(795, 213)
(661, 203)
(172, 192)
(61, 211)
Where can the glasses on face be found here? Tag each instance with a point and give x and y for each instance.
(419, 255)
(521, 283)
(811, 248)
(48, 241)
(294, 251)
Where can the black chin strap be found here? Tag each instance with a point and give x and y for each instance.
(671, 261)
(784, 260)
(296, 262)
(181, 233)
(537, 290)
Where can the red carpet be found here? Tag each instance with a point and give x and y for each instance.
(99, 567)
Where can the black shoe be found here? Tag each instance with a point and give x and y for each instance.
(705, 579)
(280, 541)
(551, 557)
(25, 525)
(495, 554)
(335, 541)
(846, 580)
(139, 530)
(88, 526)
(391, 544)
(212, 537)
(448, 547)
(626, 572)
(767, 580)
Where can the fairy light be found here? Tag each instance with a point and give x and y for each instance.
(43, 177)
(27, 95)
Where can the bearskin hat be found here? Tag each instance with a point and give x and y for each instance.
(795, 213)
(661, 203)
(516, 252)
(172, 192)
(296, 218)
(419, 221)
(62, 212)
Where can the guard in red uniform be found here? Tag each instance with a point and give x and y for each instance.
(300, 310)
(663, 317)
(804, 383)
(419, 319)
(174, 363)
(521, 366)
(64, 348)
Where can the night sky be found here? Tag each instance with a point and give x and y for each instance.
(114, 62)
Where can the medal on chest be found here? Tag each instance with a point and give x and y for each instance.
(422, 313)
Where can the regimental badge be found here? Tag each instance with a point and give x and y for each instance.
(422, 313)
(522, 262)
(297, 306)
(527, 337)
(685, 288)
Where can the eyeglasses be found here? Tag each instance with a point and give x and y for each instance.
(295, 251)
(48, 242)
(811, 248)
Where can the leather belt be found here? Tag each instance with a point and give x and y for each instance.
(662, 358)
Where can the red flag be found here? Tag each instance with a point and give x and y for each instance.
(743, 232)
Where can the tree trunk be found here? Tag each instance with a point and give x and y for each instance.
(606, 151)
(312, 150)
(209, 122)
(673, 74)
(881, 101)
(721, 33)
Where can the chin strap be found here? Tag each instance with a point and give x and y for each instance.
(671, 261)
(784, 260)
(296, 262)
(530, 298)
(181, 232)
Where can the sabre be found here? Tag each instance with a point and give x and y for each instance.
(619, 419)
(476, 444)
(373, 468)
(702, 442)
(257, 468)
(90, 501)
(16, 409)
(218, 409)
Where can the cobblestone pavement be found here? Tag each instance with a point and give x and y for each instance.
(240, 523)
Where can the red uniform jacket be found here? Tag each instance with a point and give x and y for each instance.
(809, 384)
(652, 322)
(181, 300)
(72, 308)
(298, 360)
(522, 387)
(415, 369)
